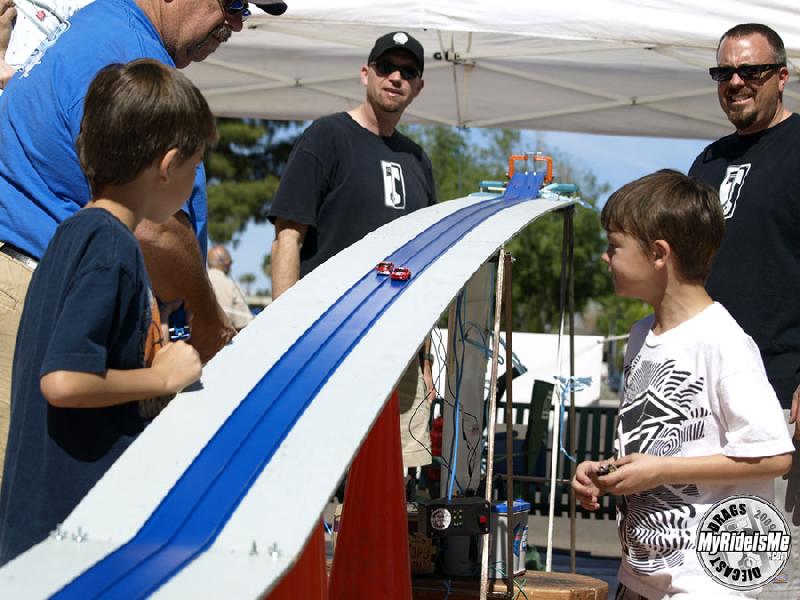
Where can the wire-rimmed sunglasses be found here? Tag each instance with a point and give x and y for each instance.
(384, 68)
(236, 7)
(745, 72)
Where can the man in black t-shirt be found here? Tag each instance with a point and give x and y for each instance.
(350, 173)
(756, 272)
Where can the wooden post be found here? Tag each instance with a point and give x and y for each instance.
(498, 301)
(509, 432)
(569, 222)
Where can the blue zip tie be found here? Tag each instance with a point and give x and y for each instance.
(567, 385)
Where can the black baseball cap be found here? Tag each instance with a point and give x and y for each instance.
(273, 7)
(399, 40)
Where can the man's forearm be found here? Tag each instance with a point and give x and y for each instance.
(426, 367)
(177, 272)
(285, 265)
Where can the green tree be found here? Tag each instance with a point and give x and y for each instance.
(242, 171)
(538, 250)
(247, 280)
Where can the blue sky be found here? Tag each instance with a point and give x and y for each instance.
(613, 159)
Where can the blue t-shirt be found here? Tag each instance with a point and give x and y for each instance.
(41, 182)
(87, 310)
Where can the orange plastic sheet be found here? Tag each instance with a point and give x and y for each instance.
(308, 578)
(372, 559)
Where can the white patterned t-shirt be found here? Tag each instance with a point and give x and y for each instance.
(698, 389)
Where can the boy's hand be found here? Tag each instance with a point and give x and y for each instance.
(179, 366)
(585, 485)
(634, 473)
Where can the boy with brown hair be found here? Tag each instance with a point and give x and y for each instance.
(90, 322)
(698, 420)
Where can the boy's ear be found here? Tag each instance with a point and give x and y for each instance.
(661, 252)
(166, 163)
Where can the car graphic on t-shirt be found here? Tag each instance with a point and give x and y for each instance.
(394, 187)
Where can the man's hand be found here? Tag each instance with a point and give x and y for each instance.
(177, 271)
(794, 413)
(8, 13)
(426, 366)
(289, 237)
(430, 388)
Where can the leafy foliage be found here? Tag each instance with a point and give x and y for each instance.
(243, 170)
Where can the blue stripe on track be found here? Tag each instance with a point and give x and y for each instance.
(198, 506)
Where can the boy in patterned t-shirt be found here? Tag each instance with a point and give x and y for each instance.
(698, 421)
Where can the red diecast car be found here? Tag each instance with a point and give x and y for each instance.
(385, 267)
(401, 274)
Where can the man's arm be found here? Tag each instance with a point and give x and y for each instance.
(640, 472)
(289, 237)
(177, 272)
(426, 367)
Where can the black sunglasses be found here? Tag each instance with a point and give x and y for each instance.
(235, 7)
(384, 68)
(746, 72)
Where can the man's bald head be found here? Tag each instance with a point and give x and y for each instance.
(219, 258)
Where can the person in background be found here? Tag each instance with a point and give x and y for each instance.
(756, 273)
(228, 294)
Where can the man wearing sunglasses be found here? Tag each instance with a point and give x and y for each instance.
(41, 183)
(350, 173)
(756, 272)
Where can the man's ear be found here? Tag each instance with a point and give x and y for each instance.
(420, 85)
(662, 252)
(166, 163)
(364, 74)
(783, 78)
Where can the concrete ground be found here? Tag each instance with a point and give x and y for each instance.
(597, 537)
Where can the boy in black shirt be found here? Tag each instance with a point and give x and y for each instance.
(90, 349)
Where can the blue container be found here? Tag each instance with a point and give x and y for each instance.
(497, 537)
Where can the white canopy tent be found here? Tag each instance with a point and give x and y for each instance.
(626, 67)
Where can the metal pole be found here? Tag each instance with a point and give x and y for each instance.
(569, 223)
(498, 301)
(509, 432)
